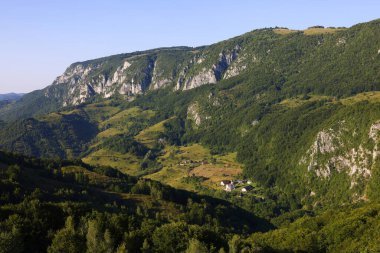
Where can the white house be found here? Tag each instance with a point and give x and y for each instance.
(247, 188)
(225, 182)
(229, 187)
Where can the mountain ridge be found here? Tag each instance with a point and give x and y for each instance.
(11, 96)
(181, 68)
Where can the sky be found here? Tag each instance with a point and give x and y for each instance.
(39, 39)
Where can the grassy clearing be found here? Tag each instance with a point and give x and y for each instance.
(94, 178)
(122, 121)
(172, 172)
(215, 174)
(100, 111)
(126, 163)
(371, 97)
(111, 132)
(52, 118)
(284, 31)
(149, 135)
(195, 160)
(95, 112)
(310, 31)
(298, 101)
(127, 114)
(316, 31)
(117, 124)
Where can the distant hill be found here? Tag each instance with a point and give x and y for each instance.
(11, 96)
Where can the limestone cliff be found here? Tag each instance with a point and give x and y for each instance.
(132, 74)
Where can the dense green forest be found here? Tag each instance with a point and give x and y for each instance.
(64, 206)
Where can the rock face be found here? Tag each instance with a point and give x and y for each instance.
(194, 114)
(83, 81)
(213, 74)
(136, 73)
(159, 79)
(334, 151)
(204, 77)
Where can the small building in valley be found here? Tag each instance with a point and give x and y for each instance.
(225, 182)
(247, 188)
(229, 187)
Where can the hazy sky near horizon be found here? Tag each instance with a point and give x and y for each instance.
(41, 38)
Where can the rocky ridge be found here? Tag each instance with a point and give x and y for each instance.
(333, 151)
(132, 75)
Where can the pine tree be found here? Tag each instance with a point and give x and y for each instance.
(196, 246)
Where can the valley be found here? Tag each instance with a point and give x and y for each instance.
(265, 142)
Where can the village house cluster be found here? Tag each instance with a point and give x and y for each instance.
(192, 163)
(230, 185)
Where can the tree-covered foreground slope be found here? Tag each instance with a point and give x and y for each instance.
(63, 206)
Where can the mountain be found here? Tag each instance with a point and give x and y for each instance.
(10, 96)
(295, 111)
(146, 139)
(322, 60)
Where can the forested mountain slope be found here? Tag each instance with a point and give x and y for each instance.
(324, 61)
(298, 109)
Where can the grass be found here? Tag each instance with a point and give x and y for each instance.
(215, 169)
(284, 31)
(100, 111)
(131, 200)
(121, 121)
(171, 173)
(51, 117)
(316, 31)
(93, 177)
(127, 114)
(126, 163)
(309, 31)
(112, 132)
(97, 112)
(298, 101)
(372, 97)
(149, 135)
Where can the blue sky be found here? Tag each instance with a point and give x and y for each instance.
(40, 38)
